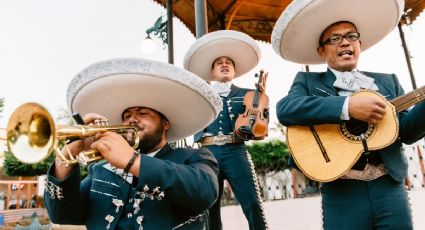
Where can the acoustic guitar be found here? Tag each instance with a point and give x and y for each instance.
(326, 152)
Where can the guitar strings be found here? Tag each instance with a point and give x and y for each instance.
(401, 104)
(404, 102)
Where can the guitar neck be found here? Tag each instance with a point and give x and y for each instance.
(404, 102)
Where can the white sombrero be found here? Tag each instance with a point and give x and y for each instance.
(241, 48)
(296, 34)
(109, 87)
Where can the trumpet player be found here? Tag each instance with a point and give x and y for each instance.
(153, 186)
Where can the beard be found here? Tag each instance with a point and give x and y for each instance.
(150, 140)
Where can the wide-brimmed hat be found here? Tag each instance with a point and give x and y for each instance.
(109, 87)
(296, 34)
(240, 47)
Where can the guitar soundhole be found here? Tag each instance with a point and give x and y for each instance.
(353, 129)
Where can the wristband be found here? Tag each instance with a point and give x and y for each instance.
(130, 163)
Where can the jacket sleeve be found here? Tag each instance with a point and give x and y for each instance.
(412, 122)
(66, 200)
(192, 185)
(300, 107)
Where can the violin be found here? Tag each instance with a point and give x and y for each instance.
(253, 123)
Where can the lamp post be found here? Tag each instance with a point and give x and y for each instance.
(164, 31)
(148, 46)
(170, 38)
(159, 29)
(405, 49)
(201, 19)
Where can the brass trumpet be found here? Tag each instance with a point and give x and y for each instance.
(32, 135)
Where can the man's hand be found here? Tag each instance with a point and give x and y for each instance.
(114, 148)
(76, 147)
(368, 109)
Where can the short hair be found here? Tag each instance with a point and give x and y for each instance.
(323, 32)
(233, 62)
(142, 107)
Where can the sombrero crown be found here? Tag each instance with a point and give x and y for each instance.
(240, 47)
(296, 34)
(109, 87)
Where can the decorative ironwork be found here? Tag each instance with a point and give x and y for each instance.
(159, 29)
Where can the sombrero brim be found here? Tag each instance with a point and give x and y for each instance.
(110, 87)
(296, 34)
(241, 48)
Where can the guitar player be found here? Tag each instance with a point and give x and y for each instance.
(371, 195)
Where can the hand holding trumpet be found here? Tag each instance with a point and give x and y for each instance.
(84, 144)
(112, 146)
(32, 135)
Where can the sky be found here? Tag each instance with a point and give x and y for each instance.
(45, 43)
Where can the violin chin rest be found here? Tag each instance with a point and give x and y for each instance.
(245, 130)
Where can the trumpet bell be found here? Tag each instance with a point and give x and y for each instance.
(31, 133)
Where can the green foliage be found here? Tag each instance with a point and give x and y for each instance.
(269, 156)
(84, 172)
(1, 105)
(13, 167)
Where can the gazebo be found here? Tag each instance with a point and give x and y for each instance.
(253, 17)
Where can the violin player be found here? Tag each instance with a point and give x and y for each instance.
(219, 57)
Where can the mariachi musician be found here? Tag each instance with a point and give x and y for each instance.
(153, 186)
(220, 57)
(371, 194)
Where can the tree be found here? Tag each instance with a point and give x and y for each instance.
(267, 157)
(13, 167)
(1, 105)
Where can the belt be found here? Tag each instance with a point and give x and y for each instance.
(372, 158)
(221, 140)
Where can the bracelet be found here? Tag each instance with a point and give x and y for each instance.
(130, 163)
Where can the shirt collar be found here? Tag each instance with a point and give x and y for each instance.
(152, 154)
(338, 73)
(228, 84)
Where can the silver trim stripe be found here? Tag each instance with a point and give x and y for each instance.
(257, 189)
(106, 182)
(106, 194)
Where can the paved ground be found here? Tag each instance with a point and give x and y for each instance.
(305, 213)
(296, 214)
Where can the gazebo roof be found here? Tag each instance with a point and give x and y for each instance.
(253, 17)
(413, 8)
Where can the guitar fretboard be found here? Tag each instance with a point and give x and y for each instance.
(404, 102)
